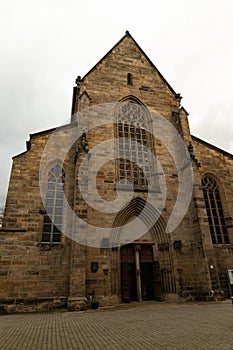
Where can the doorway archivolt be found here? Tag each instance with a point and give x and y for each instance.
(142, 267)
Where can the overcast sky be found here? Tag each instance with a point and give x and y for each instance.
(45, 44)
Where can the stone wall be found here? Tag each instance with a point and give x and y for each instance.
(31, 271)
(220, 165)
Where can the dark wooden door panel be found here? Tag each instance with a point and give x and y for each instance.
(125, 294)
(157, 280)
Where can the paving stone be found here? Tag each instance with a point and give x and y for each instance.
(150, 325)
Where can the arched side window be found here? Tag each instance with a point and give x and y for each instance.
(217, 224)
(54, 206)
(134, 144)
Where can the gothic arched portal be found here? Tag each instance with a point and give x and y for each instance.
(142, 268)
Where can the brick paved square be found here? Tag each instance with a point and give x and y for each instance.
(149, 325)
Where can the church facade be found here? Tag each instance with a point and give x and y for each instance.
(165, 230)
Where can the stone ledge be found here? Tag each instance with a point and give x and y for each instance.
(12, 230)
(9, 306)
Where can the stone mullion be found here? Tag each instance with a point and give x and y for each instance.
(137, 155)
(219, 218)
(54, 208)
(211, 215)
(130, 155)
(52, 216)
(143, 160)
(124, 154)
(119, 161)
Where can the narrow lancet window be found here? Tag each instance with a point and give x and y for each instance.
(54, 206)
(216, 219)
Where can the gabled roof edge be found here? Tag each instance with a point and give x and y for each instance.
(148, 59)
(225, 153)
(43, 132)
(184, 110)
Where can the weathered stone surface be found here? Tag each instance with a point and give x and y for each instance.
(30, 270)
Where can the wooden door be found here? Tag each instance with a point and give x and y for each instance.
(125, 293)
(157, 281)
(128, 274)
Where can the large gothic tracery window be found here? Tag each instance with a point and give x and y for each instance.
(217, 224)
(134, 144)
(54, 206)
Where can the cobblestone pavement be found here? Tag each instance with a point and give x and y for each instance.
(150, 325)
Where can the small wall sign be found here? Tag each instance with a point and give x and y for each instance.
(230, 275)
(94, 266)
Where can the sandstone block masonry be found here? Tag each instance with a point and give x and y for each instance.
(156, 265)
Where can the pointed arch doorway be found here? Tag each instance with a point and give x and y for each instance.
(140, 274)
(142, 263)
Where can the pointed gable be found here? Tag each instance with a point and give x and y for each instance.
(126, 70)
(122, 40)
